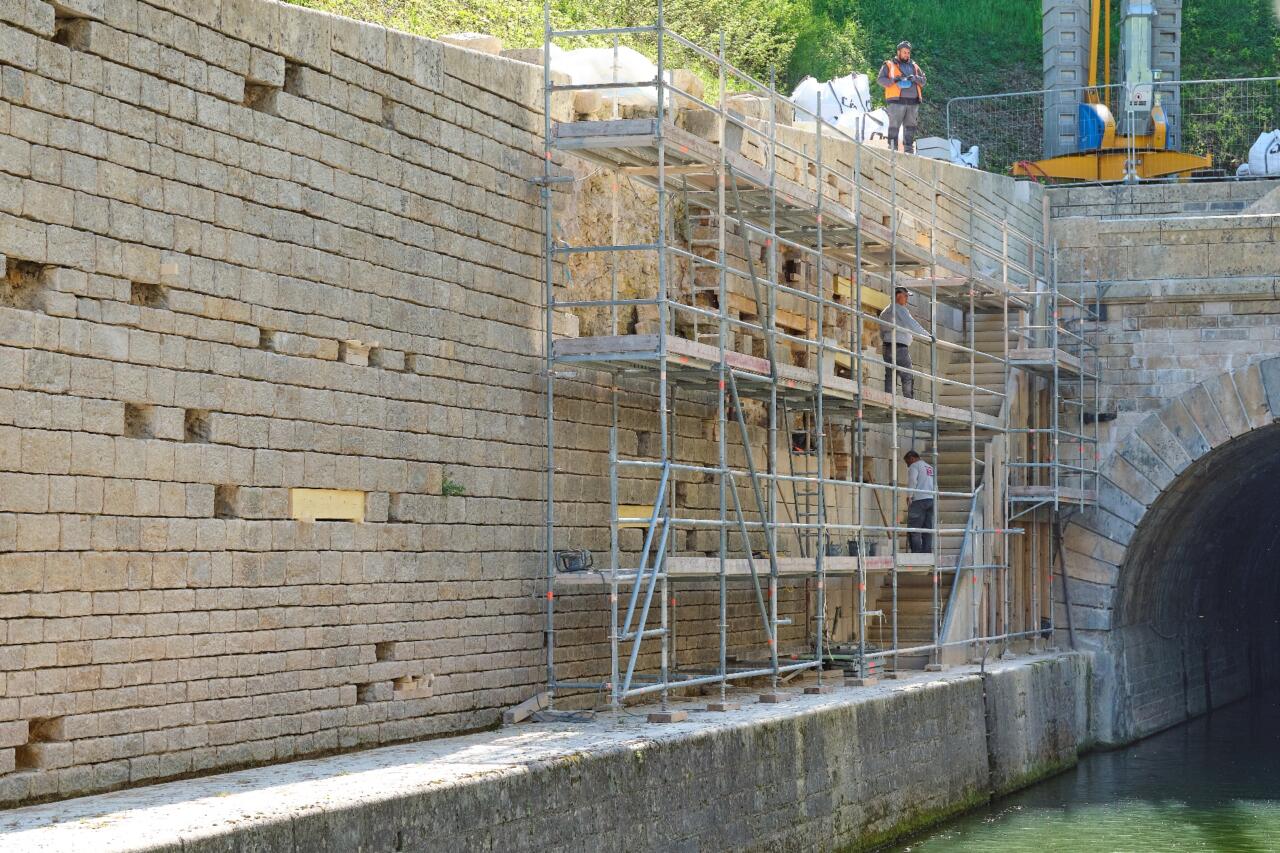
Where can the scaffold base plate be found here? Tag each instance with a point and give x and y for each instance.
(668, 716)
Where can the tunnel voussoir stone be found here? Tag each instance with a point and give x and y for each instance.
(1178, 421)
(1204, 412)
(1253, 395)
(1121, 473)
(1107, 524)
(1270, 372)
(1145, 460)
(1222, 390)
(1084, 618)
(1164, 443)
(1121, 503)
(1084, 541)
(1092, 569)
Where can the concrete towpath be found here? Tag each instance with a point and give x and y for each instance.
(269, 808)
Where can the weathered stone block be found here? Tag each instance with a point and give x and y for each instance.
(265, 69)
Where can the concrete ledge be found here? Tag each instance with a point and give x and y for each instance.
(848, 769)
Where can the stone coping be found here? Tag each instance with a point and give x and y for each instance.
(175, 815)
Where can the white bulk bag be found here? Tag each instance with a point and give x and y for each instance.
(1264, 156)
(864, 126)
(839, 96)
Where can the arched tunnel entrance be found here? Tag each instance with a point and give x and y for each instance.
(1196, 620)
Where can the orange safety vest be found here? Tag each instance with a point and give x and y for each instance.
(894, 90)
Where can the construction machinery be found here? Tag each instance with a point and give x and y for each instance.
(1136, 143)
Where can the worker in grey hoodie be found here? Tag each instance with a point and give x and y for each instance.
(921, 487)
(897, 330)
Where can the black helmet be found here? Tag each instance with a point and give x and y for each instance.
(901, 45)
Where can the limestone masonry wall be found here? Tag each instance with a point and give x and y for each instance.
(248, 248)
(1205, 198)
(271, 403)
(1187, 297)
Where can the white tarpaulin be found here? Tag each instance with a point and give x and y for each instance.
(839, 96)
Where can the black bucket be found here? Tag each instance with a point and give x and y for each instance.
(853, 548)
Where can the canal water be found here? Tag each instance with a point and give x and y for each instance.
(1210, 785)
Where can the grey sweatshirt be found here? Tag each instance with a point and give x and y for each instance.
(900, 316)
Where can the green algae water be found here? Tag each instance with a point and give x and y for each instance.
(1210, 785)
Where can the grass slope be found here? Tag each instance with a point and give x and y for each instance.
(968, 46)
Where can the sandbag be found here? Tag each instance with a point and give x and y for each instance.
(839, 96)
(1264, 156)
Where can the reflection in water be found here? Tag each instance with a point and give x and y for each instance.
(1210, 785)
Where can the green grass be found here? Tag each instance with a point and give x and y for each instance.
(1229, 38)
(759, 34)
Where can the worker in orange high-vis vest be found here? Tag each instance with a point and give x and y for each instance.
(903, 83)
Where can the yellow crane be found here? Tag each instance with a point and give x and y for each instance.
(1103, 152)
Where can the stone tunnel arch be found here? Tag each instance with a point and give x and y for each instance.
(1175, 575)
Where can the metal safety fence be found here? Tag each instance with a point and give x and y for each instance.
(1217, 119)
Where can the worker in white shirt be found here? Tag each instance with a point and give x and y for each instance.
(897, 330)
(921, 487)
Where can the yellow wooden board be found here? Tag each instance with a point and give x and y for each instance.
(326, 504)
(634, 511)
(872, 300)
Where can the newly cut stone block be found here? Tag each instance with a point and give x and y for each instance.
(479, 42)
(326, 504)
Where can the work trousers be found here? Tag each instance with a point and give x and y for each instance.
(901, 356)
(920, 514)
(905, 117)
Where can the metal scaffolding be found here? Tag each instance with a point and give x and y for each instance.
(1053, 471)
(773, 247)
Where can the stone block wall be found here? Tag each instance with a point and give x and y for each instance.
(1187, 297)
(1209, 198)
(249, 248)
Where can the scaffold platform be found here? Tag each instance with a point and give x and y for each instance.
(696, 365)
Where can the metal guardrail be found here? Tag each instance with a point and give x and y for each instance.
(1220, 119)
